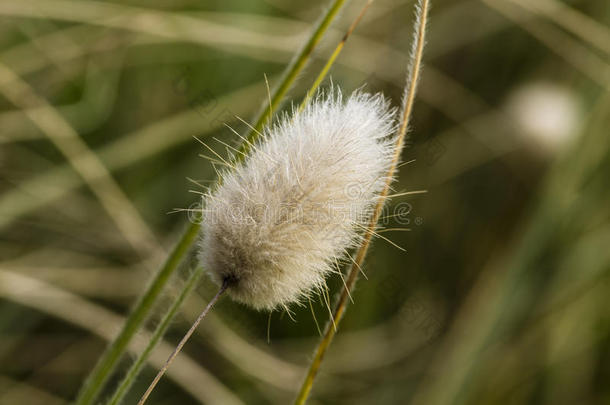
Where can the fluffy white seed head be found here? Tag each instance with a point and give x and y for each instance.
(282, 220)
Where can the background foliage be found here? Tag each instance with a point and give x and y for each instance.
(500, 296)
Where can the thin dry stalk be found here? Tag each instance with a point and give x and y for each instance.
(352, 276)
(180, 345)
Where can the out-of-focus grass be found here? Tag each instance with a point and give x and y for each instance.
(500, 297)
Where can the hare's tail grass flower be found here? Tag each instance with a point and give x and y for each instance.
(413, 73)
(282, 219)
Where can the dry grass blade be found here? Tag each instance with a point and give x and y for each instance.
(82, 159)
(84, 115)
(128, 149)
(104, 323)
(572, 20)
(18, 392)
(559, 42)
(143, 20)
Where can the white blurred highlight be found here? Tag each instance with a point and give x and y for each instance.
(550, 115)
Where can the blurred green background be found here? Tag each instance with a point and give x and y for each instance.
(502, 294)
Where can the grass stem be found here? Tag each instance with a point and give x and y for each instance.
(136, 367)
(106, 364)
(352, 276)
(292, 71)
(186, 337)
(334, 56)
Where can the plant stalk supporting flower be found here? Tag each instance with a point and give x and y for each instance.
(341, 305)
(186, 337)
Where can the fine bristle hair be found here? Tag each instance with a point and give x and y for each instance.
(281, 220)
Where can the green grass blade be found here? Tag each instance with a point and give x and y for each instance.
(111, 357)
(291, 73)
(106, 364)
(136, 367)
(331, 60)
